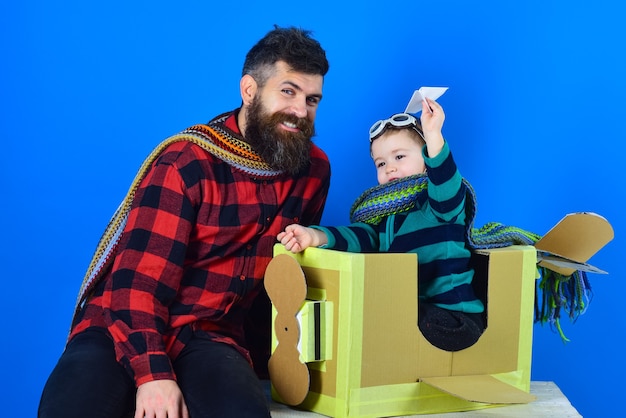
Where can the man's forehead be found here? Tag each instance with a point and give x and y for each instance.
(309, 83)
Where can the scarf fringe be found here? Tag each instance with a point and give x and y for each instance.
(556, 294)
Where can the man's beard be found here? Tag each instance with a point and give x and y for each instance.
(282, 150)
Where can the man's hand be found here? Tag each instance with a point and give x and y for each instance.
(160, 399)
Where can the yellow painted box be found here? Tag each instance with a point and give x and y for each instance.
(375, 361)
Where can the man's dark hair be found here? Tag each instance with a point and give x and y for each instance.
(292, 45)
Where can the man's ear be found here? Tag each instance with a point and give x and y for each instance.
(248, 88)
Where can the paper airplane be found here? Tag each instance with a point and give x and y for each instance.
(415, 104)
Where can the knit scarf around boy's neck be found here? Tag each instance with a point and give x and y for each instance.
(402, 195)
(572, 294)
(214, 137)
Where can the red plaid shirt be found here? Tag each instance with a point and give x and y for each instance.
(193, 254)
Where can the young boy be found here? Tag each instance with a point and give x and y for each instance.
(432, 224)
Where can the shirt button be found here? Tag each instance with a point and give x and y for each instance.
(242, 277)
(296, 219)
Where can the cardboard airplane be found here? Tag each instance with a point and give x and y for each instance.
(346, 342)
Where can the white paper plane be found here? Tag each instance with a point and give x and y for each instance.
(415, 104)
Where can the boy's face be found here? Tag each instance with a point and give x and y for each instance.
(396, 155)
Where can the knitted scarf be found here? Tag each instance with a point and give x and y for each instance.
(554, 292)
(215, 139)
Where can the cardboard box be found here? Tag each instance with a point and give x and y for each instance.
(352, 347)
(381, 365)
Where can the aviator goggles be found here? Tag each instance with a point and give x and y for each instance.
(399, 120)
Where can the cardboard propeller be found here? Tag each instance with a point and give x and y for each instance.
(286, 287)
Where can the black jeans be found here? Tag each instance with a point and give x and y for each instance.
(216, 381)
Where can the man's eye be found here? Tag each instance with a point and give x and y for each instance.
(313, 100)
(288, 91)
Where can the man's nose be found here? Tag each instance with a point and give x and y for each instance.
(298, 107)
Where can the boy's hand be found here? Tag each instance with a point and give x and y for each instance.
(432, 121)
(297, 238)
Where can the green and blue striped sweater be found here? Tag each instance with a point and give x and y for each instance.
(434, 229)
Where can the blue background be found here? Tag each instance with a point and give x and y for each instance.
(534, 116)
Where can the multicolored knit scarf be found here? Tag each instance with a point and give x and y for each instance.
(215, 139)
(554, 292)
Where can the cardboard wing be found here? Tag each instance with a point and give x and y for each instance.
(480, 388)
(572, 242)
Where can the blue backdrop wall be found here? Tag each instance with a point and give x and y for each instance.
(534, 117)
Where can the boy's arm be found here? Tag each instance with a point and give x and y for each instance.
(432, 121)
(355, 238)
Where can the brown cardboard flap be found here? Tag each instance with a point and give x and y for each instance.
(577, 237)
(480, 388)
(561, 264)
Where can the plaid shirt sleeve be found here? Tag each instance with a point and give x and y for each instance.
(147, 271)
(193, 254)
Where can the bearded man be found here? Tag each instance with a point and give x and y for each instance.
(172, 311)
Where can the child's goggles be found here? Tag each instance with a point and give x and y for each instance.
(399, 120)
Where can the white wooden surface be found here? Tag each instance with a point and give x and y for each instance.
(550, 402)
